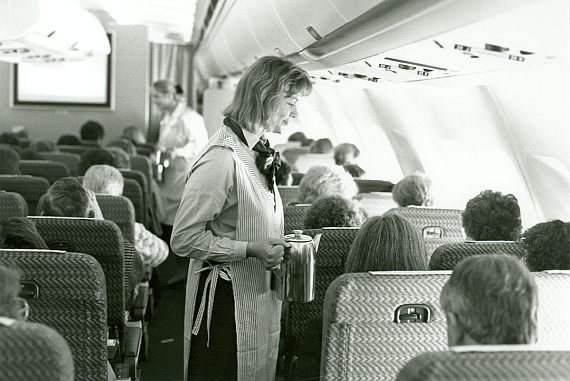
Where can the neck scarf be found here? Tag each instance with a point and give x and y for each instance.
(268, 161)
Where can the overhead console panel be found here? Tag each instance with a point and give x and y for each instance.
(326, 34)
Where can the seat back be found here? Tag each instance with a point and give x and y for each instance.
(297, 177)
(133, 191)
(437, 226)
(99, 238)
(294, 217)
(288, 194)
(78, 150)
(142, 164)
(66, 291)
(12, 205)
(369, 185)
(362, 341)
(376, 203)
(50, 170)
(291, 154)
(31, 351)
(489, 362)
(330, 259)
(31, 188)
(121, 211)
(309, 160)
(141, 179)
(445, 257)
(70, 160)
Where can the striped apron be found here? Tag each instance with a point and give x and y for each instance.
(257, 309)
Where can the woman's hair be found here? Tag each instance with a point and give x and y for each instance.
(326, 181)
(20, 233)
(134, 134)
(104, 179)
(256, 98)
(343, 150)
(322, 146)
(548, 246)
(9, 292)
(413, 190)
(492, 216)
(65, 198)
(387, 243)
(120, 158)
(334, 211)
(124, 144)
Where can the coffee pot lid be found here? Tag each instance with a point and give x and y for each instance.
(297, 236)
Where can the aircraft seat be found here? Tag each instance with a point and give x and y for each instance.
(376, 203)
(307, 161)
(121, 211)
(445, 257)
(50, 170)
(31, 188)
(294, 217)
(65, 291)
(70, 160)
(288, 194)
(489, 362)
(12, 205)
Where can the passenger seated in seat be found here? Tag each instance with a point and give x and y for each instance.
(334, 211)
(92, 133)
(20, 233)
(104, 179)
(93, 157)
(68, 140)
(322, 146)
(384, 243)
(490, 299)
(548, 246)
(9, 161)
(346, 155)
(326, 181)
(492, 216)
(413, 190)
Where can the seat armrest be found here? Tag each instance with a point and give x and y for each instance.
(141, 301)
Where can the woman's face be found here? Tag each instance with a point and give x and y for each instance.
(286, 109)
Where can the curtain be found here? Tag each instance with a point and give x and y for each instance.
(173, 62)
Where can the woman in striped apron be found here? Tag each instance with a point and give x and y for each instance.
(230, 223)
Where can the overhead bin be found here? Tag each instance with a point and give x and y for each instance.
(329, 33)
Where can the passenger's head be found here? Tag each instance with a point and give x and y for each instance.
(548, 246)
(326, 181)
(10, 302)
(93, 157)
(120, 158)
(297, 137)
(266, 94)
(490, 299)
(68, 140)
(32, 152)
(134, 135)
(20, 233)
(104, 179)
(334, 211)
(9, 161)
(413, 190)
(322, 146)
(346, 154)
(92, 131)
(387, 243)
(283, 175)
(492, 216)
(166, 94)
(9, 138)
(66, 198)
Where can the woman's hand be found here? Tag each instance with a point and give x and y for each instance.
(269, 251)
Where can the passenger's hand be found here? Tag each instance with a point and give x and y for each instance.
(269, 251)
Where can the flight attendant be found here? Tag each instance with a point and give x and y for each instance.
(230, 223)
(182, 135)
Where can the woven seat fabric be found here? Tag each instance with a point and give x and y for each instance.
(50, 170)
(132, 190)
(553, 328)
(448, 220)
(121, 211)
(294, 217)
(361, 340)
(12, 205)
(140, 178)
(70, 160)
(445, 257)
(484, 366)
(101, 239)
(330, 259)
(376, 203)
(71, 300)
(34, 352)
(369, 185)
(288, 194)
(29, 187)
(142, 164)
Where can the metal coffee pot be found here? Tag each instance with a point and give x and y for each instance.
(294, 280)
